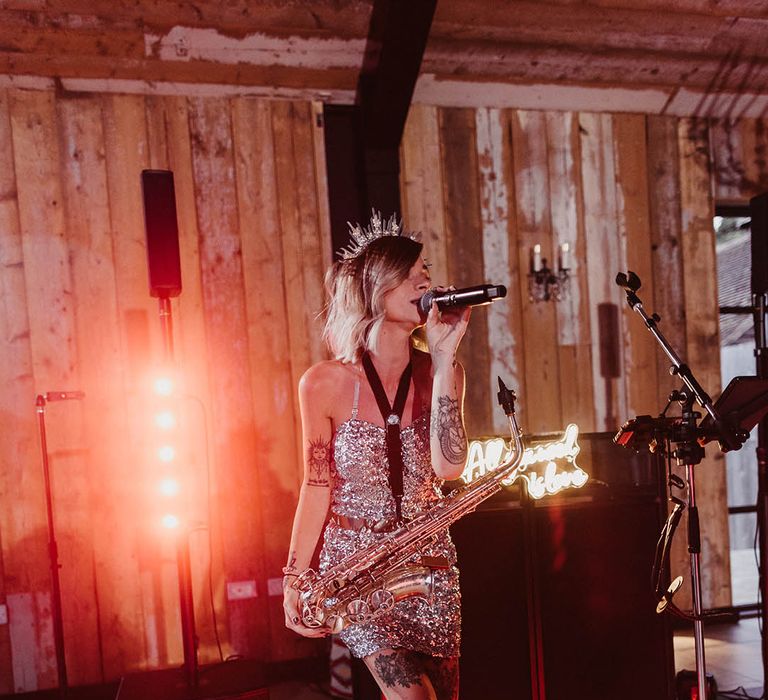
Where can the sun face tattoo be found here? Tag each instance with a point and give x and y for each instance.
(446, 424)
(319, 462)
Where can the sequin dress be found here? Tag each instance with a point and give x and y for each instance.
(360, 489)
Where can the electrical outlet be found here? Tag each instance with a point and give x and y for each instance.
(3, 614)
(241, 590)
(274, 586)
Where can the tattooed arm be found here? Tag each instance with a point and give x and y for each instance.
(315, 494)
(448, 440)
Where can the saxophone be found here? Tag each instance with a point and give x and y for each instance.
(369, 582)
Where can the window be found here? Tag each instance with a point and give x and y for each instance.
(737, 345)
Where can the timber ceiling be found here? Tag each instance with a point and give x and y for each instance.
(684, 57)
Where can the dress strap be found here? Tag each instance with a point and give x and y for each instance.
(356, 399)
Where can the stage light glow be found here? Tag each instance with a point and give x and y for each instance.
(169, 487)
(165, 420)
(170, 521)
(166, 453)
(163, 386)
(560, 469)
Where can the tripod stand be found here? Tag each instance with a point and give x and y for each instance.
(688, 436)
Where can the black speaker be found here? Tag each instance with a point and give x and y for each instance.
(557, 595)
(162, 233)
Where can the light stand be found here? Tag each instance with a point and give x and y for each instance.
(183, 566)
(686, 434)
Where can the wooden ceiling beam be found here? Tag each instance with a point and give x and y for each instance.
(154, 71)
(336, 18)
(557, 64)
(391, 64)
(505, 12)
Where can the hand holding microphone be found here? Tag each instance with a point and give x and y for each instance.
(468, 296)
(445, 330)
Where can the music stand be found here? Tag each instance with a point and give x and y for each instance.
(741, 406)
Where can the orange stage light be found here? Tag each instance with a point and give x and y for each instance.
(165, 420)
(166, 453)
(170, 521)
(163, 386)
(169, 487)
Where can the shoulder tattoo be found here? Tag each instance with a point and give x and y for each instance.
(319, 462)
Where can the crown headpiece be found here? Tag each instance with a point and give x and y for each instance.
(377, 228)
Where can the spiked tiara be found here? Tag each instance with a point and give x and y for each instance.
(377, 228)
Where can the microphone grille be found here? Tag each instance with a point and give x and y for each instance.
(425, 303)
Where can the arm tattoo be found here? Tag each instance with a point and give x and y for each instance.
(447, 425)
(291, 561)
(398, 669)
(319, 462)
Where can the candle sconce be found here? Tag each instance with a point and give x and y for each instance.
(545, 284)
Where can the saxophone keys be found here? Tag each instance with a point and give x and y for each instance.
(335, 624)
(312, 616)
(358, 611)
(382, 600)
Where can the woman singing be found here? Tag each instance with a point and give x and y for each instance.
(369, 477)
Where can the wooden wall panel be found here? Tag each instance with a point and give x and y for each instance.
(234, 436)
(540, 393)
(702, 351)
(754, 149)
(567, 216)
(23, 526)
(494, 154)
(464, 241)
(84, 179)
(421, 187)
(56, 365)
(726, 145)
(604, 258)
(640, 349)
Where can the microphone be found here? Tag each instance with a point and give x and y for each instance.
(469, 296)
(64, 395)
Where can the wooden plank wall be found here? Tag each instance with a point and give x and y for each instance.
(626, 192)
(483, 185)
(76, 314)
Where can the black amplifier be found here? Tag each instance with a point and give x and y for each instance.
(557, 599)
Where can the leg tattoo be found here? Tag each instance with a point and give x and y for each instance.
(444, 674)
(398, 668)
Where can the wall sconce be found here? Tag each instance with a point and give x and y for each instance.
(545, 284)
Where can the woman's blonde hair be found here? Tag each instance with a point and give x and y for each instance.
(356, 288)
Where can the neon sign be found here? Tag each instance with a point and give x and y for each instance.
(555, 461)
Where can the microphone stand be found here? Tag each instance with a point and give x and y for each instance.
(53, 554)
(688, 453)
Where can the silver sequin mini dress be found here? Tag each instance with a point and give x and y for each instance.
(360, 489)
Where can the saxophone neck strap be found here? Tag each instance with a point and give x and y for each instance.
(392, 415)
